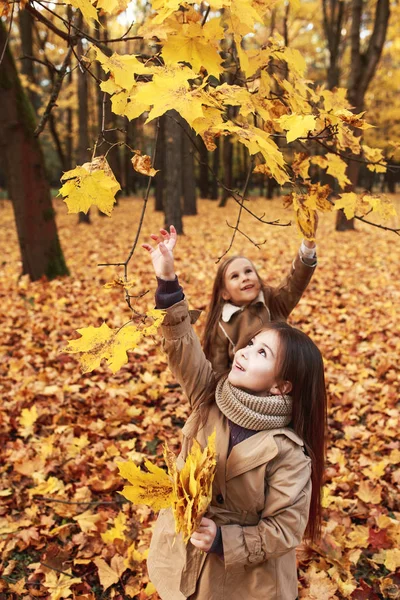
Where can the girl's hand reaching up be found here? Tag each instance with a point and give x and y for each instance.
(162, 255)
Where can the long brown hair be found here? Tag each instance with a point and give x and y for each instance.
(217, 302)
(301, 363)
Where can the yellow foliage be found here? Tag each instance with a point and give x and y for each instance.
(87, 9)
(117, 530)
(90, 185)
(153, 488)
(123, 67)
(192, 485)
(296, 125)
(101, 342)
(188, 491)
(196, 45)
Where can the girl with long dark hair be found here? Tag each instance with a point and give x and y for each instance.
(269, 414)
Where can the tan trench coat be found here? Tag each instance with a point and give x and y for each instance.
(276, 303)
(261, 496)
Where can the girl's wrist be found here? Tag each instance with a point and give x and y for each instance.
(166, 276)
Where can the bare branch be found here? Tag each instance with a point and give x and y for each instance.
(54, 94)
(8, 34)
(236, 227)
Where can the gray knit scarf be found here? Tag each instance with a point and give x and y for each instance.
(253, 412)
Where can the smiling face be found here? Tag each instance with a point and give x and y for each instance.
(241, 283)
(255, 366)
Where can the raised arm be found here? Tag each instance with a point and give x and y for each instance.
(288, 293)
(186, 358)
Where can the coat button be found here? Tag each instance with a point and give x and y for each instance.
(220, 499)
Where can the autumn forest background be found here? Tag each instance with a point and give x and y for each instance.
(238, 121)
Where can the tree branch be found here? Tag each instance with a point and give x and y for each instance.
(54, 94)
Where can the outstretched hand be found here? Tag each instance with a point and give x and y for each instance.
(162, 254)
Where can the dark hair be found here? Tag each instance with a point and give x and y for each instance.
(217, 302)
(301, 363)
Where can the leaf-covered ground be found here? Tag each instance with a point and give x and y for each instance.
(64, 529)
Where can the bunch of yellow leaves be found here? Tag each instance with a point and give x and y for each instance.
(188, 491)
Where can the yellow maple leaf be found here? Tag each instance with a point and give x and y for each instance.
(317, 197)
(169, 90)
(123, 67)
(27, 419)
(336, 167)
(347, 202)
(110, 574)
(124, 102)
(369, 493)
(89, 185)
(59, 585)
(119, 282)
(196, 45)
(142, 164)
(153, 488)
(374, 155)
(296, 125)
(101, 342)
(381, 205)
(87, 521)
(87, 9)
(111, 6)
(116, 532)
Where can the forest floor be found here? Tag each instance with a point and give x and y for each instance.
(64, 529)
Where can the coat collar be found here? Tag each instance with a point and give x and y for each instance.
(256, 450)
(229, 309)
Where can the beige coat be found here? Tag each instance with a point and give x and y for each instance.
(238, 324)
(261, 496)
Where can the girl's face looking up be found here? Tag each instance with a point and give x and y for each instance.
(255, 367)
(241, 283)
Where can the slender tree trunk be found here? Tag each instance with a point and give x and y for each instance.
(27, 184)
(159, 178)
(130, 180)
(215, 168)
(203, 181)
(173, 179)
(83, 116)
(363, 67)
(227, 156)
(188, 178)
(69, 146)
(27, 64)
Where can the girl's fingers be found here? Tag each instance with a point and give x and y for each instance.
(147, 247)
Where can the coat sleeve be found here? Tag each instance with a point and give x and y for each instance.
(288, 293)
(186, 358)
(219, 356)
(285, 515)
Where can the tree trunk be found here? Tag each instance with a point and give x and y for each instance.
(215, 168)
(129, 177)
(69, 146)
(27, 184)
(159, 178)
(27, 64)
(363, 67)
(188, 179)
(227, 158)
(203, 169)
(83, 116)
(173, 179)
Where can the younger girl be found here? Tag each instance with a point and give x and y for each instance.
(241, 303)
(269, 414)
